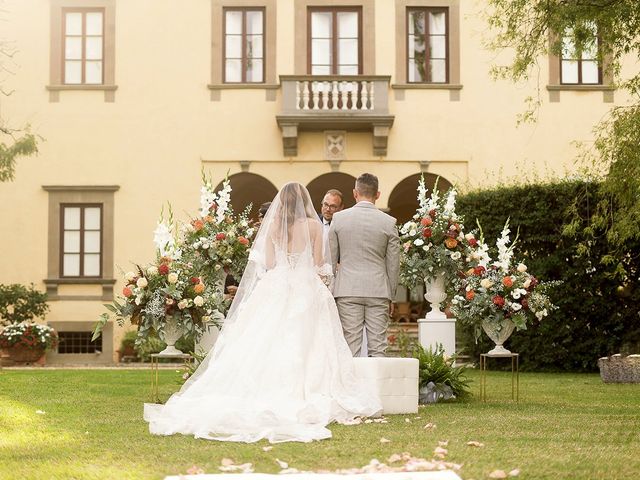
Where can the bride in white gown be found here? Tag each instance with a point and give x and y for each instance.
(281, 369)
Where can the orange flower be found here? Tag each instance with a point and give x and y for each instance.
(470, 272)
(127, 292)
(450, 242)
(199, 288)
(470, 295)
(426, 221)
(208, 219)
(197, 225)
(507, 282)
(243, 240)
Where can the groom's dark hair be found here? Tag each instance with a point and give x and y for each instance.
(367, 185)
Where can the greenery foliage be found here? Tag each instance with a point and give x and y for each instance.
(524, 28)
(22, 146)
(597, 314)
(436, 367)
(19, 303)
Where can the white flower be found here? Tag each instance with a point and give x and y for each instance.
(205, 246)
(412, 232)
(182, 304)
(217, 267)
(205, 318)
(198, 301)
(172, 277)
(138, 300)
(456, 255)
(163, 239)
(152, 271)
(516, 307)
(527, 283)
(426, 247)
(129, 276)
(486, 283)
(522, 267)
(418, 242)
(469, 236)
(142, 282)
(541, 314)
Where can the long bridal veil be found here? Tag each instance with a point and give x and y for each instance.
(284, 235)
(280, 369)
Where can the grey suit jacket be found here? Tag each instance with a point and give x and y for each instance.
(364, 241)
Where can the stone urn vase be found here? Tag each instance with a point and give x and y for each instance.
(171, 334)
(435, 295)
(498, 331)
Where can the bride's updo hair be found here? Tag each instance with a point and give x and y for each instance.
(289, 196)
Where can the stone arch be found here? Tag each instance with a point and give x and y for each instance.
(338, 180)
(250, 188)
(403, 200)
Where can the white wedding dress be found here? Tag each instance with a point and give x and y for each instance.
(281, 369)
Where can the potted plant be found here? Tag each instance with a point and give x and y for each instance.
(21, 338)
(498, 297)
(27, 342)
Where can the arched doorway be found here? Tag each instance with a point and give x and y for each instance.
(249, 188)
(340, 181)
(403, 201)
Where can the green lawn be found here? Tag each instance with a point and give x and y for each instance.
(566, 426)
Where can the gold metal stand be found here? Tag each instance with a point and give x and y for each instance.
(155, 360)
(515, 375)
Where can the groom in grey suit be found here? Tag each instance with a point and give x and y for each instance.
(365, 253)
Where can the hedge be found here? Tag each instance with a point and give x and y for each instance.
(597, 316)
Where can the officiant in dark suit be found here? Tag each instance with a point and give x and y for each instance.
(331, 203)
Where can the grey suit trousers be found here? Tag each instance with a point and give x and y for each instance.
(373, 314)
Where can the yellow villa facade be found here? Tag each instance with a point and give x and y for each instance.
(134, 98)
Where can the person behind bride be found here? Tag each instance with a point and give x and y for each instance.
(281, 369)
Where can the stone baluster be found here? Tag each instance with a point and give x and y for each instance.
(305, 95)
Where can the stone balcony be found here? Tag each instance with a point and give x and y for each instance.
(358, 103)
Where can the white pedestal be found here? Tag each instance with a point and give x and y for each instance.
(438, 329)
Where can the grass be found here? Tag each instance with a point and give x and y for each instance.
(565, 427)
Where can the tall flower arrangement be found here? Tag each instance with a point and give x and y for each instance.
(494, 290)
(186, 280)
(218, 240)
(434, 241)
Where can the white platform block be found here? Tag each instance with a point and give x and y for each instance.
(396, 380)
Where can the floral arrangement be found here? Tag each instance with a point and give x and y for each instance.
(433, 241)
(30, 335)
(496, 290)
(218, 241)
(163, 289)
(186, 281)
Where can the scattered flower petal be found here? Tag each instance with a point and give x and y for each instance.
(407, 420)
(266, 449)
(515, 472)
(385, 440)
(473, 443)
(498, 474)
(394, 458)
(443, 443)
(282, 464)
(195, 470)
(40, 412)
(429, 426)
(225, 462)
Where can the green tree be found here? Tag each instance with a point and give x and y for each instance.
(14, 142)
(531, 29)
